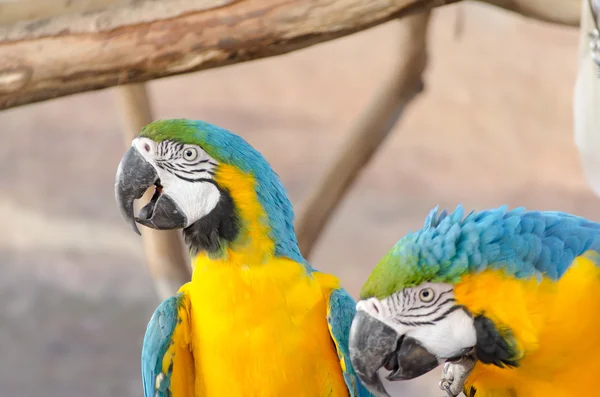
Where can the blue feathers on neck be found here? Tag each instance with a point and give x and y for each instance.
(229, 148)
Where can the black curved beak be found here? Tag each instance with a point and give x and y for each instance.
(134, 176)
(371, 342)
(374, 345)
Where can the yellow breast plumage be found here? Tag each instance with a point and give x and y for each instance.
(262, 331)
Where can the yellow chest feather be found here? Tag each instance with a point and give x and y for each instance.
(555, 325)
(262, 331)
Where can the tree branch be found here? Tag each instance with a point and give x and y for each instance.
(12, 11)
(564, 12)
(71, 51)
(140, 41)
(374, 125)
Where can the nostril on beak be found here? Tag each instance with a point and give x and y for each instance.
(371, 305)
(375, 306)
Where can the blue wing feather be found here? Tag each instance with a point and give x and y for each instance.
(157, 340)
(340, 314)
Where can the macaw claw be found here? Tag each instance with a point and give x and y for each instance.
(455, 373)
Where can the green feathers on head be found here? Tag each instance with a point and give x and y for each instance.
(220, 144)
(522, 243)
(179, 130)
(397, 270)
(431, 254)
(229, 148)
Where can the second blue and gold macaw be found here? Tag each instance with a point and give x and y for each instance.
(507, 299)
(256, 318)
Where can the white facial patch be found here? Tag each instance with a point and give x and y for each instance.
(186, 174)
(447, 337)
(429, 314)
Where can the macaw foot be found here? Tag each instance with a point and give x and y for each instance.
(455, 374)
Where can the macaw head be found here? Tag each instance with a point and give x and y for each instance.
(207, 181)
(412, 316)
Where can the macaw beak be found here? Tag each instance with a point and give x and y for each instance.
(134, 176)
(374, 345)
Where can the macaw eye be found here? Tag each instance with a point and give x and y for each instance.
(190, 154)
(426, 295)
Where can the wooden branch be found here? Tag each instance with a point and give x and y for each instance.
(131, 41)
(564, 12)
(141, 41)
(374, 125)
(18, 10)
(164, 249)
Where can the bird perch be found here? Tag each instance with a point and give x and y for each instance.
(136, 41)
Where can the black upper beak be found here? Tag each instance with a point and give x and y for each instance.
(134, 176)
(371, 342)
(374, 345)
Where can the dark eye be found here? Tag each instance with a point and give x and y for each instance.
(426, 295)
(190, 154)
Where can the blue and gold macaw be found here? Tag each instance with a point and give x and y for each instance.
(256, 318)
(508, 300)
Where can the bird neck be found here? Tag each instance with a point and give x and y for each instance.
(240, 229)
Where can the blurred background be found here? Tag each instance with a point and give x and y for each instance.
(493, 127)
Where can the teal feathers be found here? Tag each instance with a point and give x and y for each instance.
(521, 243)
(342, 309)
(156, 343)
(229, 148)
